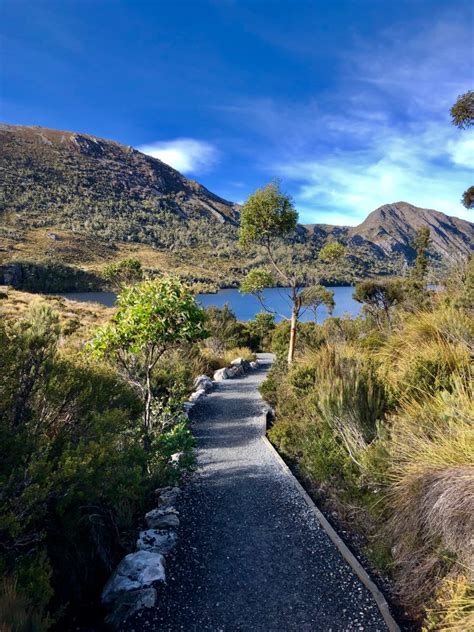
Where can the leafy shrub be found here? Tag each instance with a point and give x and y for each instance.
(381, 418)
(74, 475)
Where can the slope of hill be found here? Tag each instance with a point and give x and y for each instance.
(76, 199)
(392, 228)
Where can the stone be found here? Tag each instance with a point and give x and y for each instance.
(221, 374)
(176, 458)
(197, 395)
(168, 497)
(129, 603)
(241, 363)
(157, 541)
(166, 518)
(203, 382)
(187, 408)
(136, 570)
(235, 371)
(254, 365)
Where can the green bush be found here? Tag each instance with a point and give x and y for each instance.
(74, 475)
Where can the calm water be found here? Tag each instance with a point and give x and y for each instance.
(246, 306)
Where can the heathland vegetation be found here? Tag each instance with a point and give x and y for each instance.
(90, 415)
(376, 414)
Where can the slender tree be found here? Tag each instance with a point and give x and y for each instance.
(152, 318)
(266, 218)
(317, 295)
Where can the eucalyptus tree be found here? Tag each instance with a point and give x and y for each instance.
(267, 217)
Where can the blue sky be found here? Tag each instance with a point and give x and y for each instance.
(345, 101)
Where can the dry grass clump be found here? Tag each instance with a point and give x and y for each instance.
(77, 318)
(238, 352)
(431, 498)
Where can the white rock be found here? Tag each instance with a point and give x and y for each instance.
(162, 518)
(168, 496)
(157, 541)
(137, 570)
(127, 604)
(234, 371)
(176, 458)
(197, 395)
(254, 365)
(221, 374)
(204, 382)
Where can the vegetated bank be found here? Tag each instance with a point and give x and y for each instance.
(377, 416)
(78, 467)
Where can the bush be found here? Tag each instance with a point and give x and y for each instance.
(74, 475)
(378, 413)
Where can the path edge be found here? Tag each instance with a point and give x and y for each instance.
(344, 550)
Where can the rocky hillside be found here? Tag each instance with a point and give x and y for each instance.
(72, 198)
(389, 231)
(77, 181)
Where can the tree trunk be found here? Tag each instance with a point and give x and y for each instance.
(147, 411)
(293, 322)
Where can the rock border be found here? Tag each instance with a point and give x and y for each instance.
(131, 586)
(344, 550)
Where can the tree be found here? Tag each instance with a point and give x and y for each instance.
(378, 296)
(462, 112)
(152, 318)
(125, 272)
(467, 199)
(422, 241)
(317, 295)
(266, 218)
(462, 116)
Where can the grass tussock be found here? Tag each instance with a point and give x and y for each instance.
(380, 419)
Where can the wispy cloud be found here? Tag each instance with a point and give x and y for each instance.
(187, 155)
(383, 136)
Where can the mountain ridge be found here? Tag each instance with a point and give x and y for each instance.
(97, 194)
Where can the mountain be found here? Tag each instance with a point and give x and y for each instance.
(68, 177)
(76, 199)
(392, 228)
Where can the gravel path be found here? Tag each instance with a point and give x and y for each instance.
(251, 556)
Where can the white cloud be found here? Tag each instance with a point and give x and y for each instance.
(384, 136)
(462, 150)
(187, 155)
(411, 166)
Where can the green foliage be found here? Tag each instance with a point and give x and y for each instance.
(379, 297)
(380, 419)
(331, 252)
(125, 272)
(462, 112)
(225, 331)
(267, 214)
(317, 295)
(260, 331)
(74, 474)
(256, 281)
(467, 199)
(50, 276)
(152, 317)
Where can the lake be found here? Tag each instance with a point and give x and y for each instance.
(246, 306)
